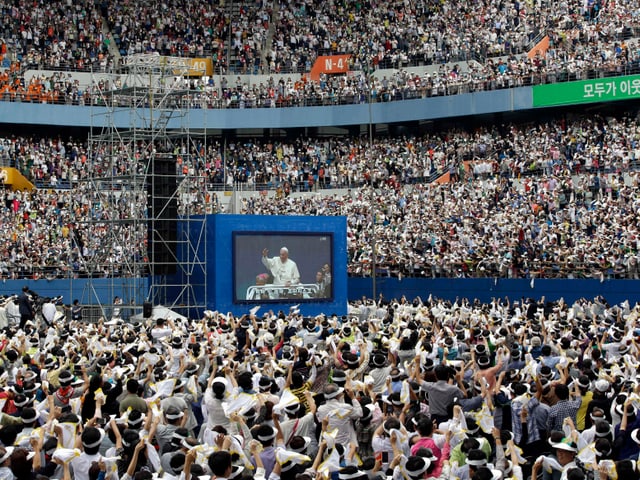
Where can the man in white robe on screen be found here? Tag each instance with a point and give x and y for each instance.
(282, 268)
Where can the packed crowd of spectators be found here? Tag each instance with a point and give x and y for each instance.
(402, 84)
(174, 28)
(586, 40)
(407, 390)
(582, 144)
(330, 90)
(48, 234)
(592, 143)
(405, 33)
(249, 32)
(55, 34)
(550, 199)
(397, 389)
(548, 226)
(80, 232)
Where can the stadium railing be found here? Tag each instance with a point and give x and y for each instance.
(231, 98)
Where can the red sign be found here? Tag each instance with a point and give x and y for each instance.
(329, 64)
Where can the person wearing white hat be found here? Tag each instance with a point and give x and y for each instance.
(29, 417)
(69, 387)
(177, 356)
(218, 389)
(476, 458)
(566, 451)
(599, 401)
(334, 397)
(297, 425)
(283, 269)
(5, 463)
(380, 369)
(510, 467)
(268, 436)
(91, 439)
(625, 440)
(600, 428)
(180, 444)
(182, 401)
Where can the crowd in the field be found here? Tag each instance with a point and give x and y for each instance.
(414, 389)
(402, 389)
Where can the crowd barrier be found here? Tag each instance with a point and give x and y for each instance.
(484, 289)
(432, 108)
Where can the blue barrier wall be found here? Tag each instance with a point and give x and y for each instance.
(477, 103)
(484, 289)
(221, 274)
(615, 291)
(98, 291)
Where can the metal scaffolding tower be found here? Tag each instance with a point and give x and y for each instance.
(141, 211)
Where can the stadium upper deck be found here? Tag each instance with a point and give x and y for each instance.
(502, 44)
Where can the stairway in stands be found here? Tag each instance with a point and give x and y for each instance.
(114, 52)
(233, 12)
(268, 43)
(112, 45)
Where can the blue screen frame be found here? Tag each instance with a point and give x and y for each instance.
(221, 229)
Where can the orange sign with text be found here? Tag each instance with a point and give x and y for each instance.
(329, 64)
(190, 67)
(200, 66)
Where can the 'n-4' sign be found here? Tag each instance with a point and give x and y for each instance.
(329, 64)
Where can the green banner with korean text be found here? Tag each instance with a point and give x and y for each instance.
(587, 91)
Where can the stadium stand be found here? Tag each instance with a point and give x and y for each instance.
(496, 45)
(533, 182)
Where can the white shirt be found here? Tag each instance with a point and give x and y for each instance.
(82, 464)
(340, 416)
(380, 376)
(6, 473)
(305, 427)
(284, 273)
(589, 435)
(13, 312)
(215, 411)
(158, 333)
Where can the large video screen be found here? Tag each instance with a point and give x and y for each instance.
(282, 266)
